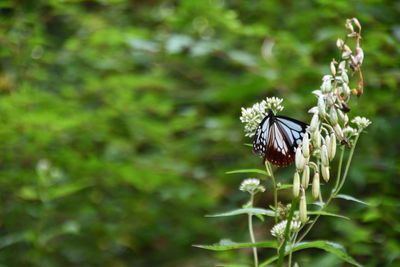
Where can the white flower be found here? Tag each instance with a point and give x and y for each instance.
(279, 229)
(349, 132)
(253, 116)
(251, 185)
(274, 103)
(361, 122)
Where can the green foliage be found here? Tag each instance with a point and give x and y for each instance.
(135, 106)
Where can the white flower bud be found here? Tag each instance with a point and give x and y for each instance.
(333, 68)
(303, 207)
(338, 131)
(345, 119)
(332, 146)
(342, 66)
(357, 23)
(345, 77)
(333, 116)
(296, 184)
(321, 106)
(325, 173)
(314, 122)
(316, 185)
(324, 155)
(316, 139)
(300, 160)
(339, 43)
(305, 178)
(346, 54)
(346, 89)
(306, 146)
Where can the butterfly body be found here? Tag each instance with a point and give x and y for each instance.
(277, 138)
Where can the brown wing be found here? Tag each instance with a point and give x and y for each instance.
(279, 151)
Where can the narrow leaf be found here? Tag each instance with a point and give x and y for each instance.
(284, 186)
(224, 245)
(347, 197)
(324, 213)
(248, 171)
(268, 261)
(255, 211)
(232, 265)
(328, 246)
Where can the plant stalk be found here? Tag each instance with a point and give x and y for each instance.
(251, 231)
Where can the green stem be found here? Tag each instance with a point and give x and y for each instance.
(287, 232)
(275, 197)
(339, 172)
(348, 164)
(251, 231)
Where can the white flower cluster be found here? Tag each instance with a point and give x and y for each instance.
(252, 186)
(361, 122)
(279, 229)
(253, 116)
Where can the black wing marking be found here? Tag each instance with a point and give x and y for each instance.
(261, 137)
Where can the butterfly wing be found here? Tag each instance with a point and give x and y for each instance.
(277, 138)
(261, 137)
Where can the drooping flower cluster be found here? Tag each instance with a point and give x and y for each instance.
(252, 117)
(329, 123)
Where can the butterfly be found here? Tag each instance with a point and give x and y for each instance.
(277, 138)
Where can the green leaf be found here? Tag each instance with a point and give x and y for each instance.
(328, 246)
(284, 186)
(324, 213)
(65, 190)
(248, 171)
(255, 211)
(268, 261)
(347, 197)
(232, 265)
(228, 245)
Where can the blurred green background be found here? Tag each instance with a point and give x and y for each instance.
(119, 119)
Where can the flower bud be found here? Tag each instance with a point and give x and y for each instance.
(346, 54)
(325, 173)
(300, 160)
(316, 139)
(357, 23)
(321, 106)
(338, 131)
(339, 43)
(305, 178)
(345, 77)
(314, 123)
(303, 207)
(306, 146)
(324, 155)
(332, 146)
(316, 185)
(333, 116)
(296, 184)
(333, 68)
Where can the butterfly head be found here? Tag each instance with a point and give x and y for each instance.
(270, 112)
